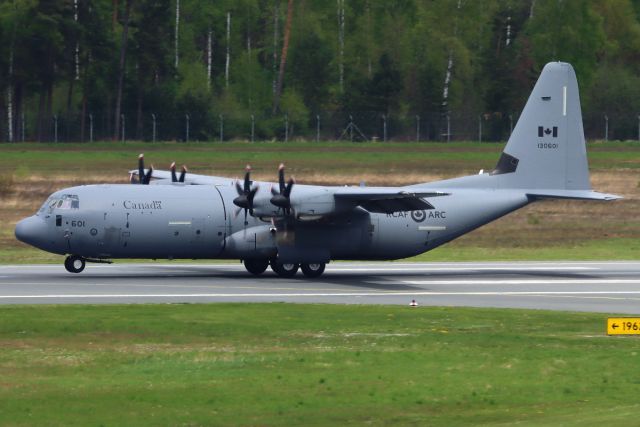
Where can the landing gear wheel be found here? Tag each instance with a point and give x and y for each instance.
(313, 270)
(74, 264)
(256, 266)
(285, 270)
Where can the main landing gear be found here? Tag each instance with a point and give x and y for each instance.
(74, 264)
(284, 270)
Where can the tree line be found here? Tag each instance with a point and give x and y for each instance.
(116, 62)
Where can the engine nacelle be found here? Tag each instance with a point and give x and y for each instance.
(259, 241)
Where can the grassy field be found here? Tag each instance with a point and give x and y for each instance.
(547, 230)
(291, 364)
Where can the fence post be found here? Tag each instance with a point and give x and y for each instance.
(123, 123)
(638, 127)
(55, 128)
(448, 128)
(90, 127)
(417, 128)
(384, 128)
(350, 128)
(23, 124)
(606, 127)
(187, 130)
(286, 127)
(510, 124)
(317, 127)
(221, 127)
(253, 127)
(480, 128)
(153, 127)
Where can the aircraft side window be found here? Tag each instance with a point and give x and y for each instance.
(68, 201)
(58, 220)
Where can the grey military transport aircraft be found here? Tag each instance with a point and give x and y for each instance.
(288, 226)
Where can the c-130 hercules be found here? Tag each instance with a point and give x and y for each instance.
(289, 226)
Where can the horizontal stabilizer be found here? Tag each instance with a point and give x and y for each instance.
(572, 194)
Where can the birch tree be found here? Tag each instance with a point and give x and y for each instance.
(121, 69)
(177, 35)
(276, 21)
(450, 63)
(228, 57)
(209, 56)
(283, 57)
(341, 44)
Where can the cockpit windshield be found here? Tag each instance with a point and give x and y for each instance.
(60, 202)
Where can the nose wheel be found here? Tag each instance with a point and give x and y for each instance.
(256, 266)
(74, 264)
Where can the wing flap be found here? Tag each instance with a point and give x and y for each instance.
(387, 200)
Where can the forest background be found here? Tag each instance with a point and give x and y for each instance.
(83, 70)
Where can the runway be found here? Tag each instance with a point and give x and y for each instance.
(611, 287)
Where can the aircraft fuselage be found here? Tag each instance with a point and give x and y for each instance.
(201, 222)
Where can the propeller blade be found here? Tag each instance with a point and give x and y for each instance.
(141, 168)
(247, 179)
(252, 194)
(183, 173)
(288, 188)
(147, 176)
(281, 177)
(239, 189)
(241, 201)
(174, 178)
(282, 199)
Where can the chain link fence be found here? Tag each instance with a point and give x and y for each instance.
(345, 126)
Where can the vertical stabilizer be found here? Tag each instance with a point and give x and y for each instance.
(547, 147)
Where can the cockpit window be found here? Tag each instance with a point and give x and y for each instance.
(60, 202)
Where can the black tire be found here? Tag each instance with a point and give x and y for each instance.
(256, 266)
(285, 270)
(74, 264)
(313, 269)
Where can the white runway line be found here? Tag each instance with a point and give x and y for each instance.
(410, 269)
(324, 294)
(525, 282)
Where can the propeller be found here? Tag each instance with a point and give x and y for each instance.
(245, 195)
(174, 177)
(143, 178)
(282, 198)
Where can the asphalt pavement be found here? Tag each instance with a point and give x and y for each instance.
(609, 287)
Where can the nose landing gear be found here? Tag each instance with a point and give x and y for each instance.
(256, 266)
(74, 264)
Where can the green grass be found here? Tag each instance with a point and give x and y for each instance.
(290, 364)
(227, 157)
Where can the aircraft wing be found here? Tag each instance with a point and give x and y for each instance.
(387, 200)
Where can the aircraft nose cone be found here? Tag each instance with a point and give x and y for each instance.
(32, 231)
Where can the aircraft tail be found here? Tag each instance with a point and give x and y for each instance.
(546, 153)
